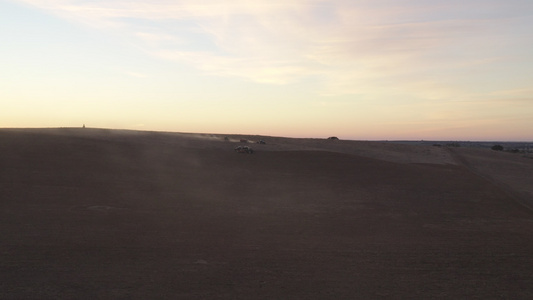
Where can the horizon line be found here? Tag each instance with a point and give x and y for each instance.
(265, 135)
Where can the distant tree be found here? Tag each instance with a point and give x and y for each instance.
(497, 148)
(333, 138)
(454, 144)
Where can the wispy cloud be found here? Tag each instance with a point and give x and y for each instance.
(364, 47)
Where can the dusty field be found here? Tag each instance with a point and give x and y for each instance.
(108, 214)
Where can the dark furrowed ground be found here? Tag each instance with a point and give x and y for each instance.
(104, 214)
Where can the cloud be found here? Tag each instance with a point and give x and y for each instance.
(354, 47)
(518, 94)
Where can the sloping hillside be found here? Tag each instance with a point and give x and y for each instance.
(93, 213)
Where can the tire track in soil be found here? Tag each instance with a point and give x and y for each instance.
(519, 198)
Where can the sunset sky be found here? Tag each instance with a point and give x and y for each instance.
(356, 69)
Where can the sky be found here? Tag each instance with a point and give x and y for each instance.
(355, 69)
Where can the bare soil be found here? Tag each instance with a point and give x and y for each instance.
(110, 214)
